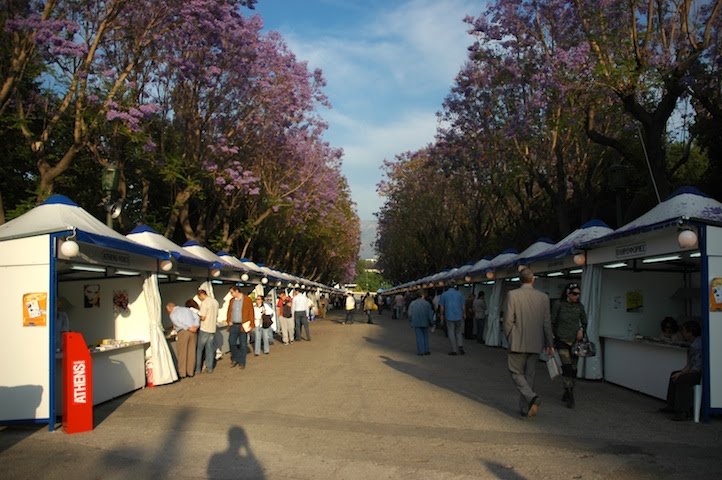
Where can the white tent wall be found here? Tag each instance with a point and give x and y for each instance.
(492, 330)
(714, 347)
(97, 323)
(591, 367)
(164, 370)
(24, 351)
(657, 290)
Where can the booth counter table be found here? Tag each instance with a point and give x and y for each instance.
(642, 365)
(116, 371)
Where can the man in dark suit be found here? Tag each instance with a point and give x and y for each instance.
(527, 326)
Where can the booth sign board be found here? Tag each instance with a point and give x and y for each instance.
(77, 384)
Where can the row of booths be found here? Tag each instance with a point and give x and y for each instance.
(668, 262)
(62, 269)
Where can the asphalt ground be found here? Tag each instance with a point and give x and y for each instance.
(356, 402)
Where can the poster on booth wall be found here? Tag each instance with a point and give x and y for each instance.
(635, 301)
(715, 295)
(35, 309)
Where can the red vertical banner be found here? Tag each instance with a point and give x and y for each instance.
(77, 384)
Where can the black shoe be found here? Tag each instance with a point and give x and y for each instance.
(453, 354)
(680, 417)
(461, 351)
(667, 409)
(427, 353)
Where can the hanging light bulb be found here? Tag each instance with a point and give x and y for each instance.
(166, 265)
(490, 275)
(580, 259)
(264, 280)
(244, 277)
(215, 272)
(70, 247)
(687, 239)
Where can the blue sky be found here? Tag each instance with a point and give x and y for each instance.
(389, 64)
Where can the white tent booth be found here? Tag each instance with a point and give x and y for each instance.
(58, 250)
(188, 273)
(668, 262)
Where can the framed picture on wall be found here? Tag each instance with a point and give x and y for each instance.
(91, 296)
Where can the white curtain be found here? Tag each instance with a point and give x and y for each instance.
(163, 368)
(492, 335)
(591, 367)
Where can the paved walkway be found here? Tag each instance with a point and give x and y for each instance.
(358, 403)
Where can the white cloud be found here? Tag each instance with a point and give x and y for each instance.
(369, 145)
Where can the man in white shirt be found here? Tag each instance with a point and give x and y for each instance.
(300, 314)
(350, 307)
(209, 318)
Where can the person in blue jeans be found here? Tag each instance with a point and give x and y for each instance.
(263, 335)
(451, 308)
(207, 332)
(421, 317)
(240, 323)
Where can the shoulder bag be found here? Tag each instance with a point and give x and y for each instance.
(266, 320)
(584, 347)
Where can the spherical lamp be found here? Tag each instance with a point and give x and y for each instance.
(490, 275)
(70, 248)
(687, 239)
(580, 259)
(244, 277)
(264, 280)
(215, 272)
(166, 265)
(467, 278)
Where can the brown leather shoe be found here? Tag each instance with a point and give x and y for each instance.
(533, 407)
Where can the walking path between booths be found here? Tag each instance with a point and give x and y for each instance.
(358, 403)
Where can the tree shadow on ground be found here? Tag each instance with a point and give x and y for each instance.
(449, 377)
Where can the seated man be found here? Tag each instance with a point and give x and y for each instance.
(681, 382)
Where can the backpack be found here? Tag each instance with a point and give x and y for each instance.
(286, 309)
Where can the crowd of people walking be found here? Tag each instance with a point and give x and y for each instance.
(531, 324)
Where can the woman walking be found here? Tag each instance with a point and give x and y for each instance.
(569, 321)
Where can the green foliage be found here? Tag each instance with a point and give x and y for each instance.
(368, 279)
